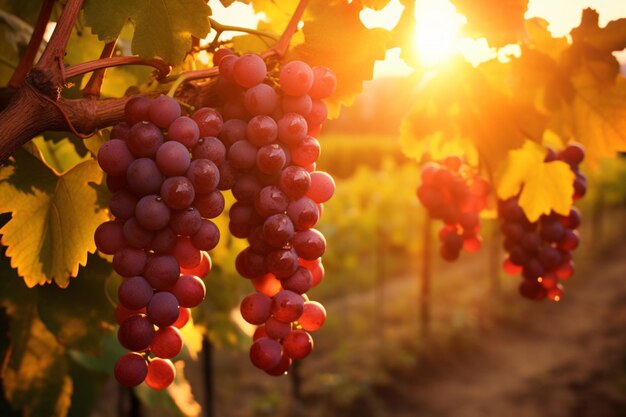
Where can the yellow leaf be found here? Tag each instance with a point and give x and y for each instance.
(53, 219)
(545, 186)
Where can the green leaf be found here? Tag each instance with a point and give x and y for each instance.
(35, 377)
(334, 36)
(79, 315)
(162, 28)
(545, 186)
(53, 219)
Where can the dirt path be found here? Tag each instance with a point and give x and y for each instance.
(566, 360)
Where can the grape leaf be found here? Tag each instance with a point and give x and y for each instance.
(461, 103)
(227, 3)
(610, 38)
(35, 376)
(53, 220)
(545, 186)
(335, 37)
(162, 28)
(596, 118)
(500, 21)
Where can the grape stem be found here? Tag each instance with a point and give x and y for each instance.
(220, 28)
(94, 85)
(281, 47)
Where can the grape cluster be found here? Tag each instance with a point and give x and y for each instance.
(163, 172)
(541, 250)
(452, 192)
(270, 120)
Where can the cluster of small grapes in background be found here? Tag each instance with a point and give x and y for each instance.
(270, 120)
(453, 192)
(541, 250)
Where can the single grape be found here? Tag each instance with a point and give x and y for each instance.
(233, 131)
(297, 104)
(207, 236)
(296, 78)
(184, 314)
(189, 290)
(292, 129)
(298, 344)
(277, 329)
(204, 175)
(185, 222)
(209, 205)
(184, 130)
(304, 213)
(287, 306)
(242, 155)
(265, 353)
(246, 189)
(129, 262)
(260, 99)
(294, 181)
(203, 268)
(130, 369)
(282, 262)
(177, 192)
(256, 308)
(249, 70)
(163, 309)
(306, 152)
(163, 111)
(270, 200)
(163, 241)
(152, 213)
(299, 282)
(145, 139)
(322, 187)
(161, 373)
(109, 237)
(137, 110)
(209, 121)
(219, 54)
(172, 159)
(324, 83)
(267, 284)
(134, 293)
(143, 177)
(278, 230)
(261, 130)
(114, 157)
(309, 244)
(122, 313)
(122, 204)
(161, 271)
(167, 342)
(187, 255)
(318, 113)
(210, 148)
(136, 332)
(313, 316)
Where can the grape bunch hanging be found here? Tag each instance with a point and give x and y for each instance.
(269, 134)
(453, 192)
(542, 250)
(167, 171)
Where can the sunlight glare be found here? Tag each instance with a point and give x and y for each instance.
(437, 31)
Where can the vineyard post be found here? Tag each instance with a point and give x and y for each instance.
(208, 375)
(425, 282)
(296, 382)
(380, 278)
(494, 261)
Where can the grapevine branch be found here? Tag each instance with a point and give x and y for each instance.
(28, 58)
(37, 105)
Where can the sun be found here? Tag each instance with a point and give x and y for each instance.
(437, 32)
